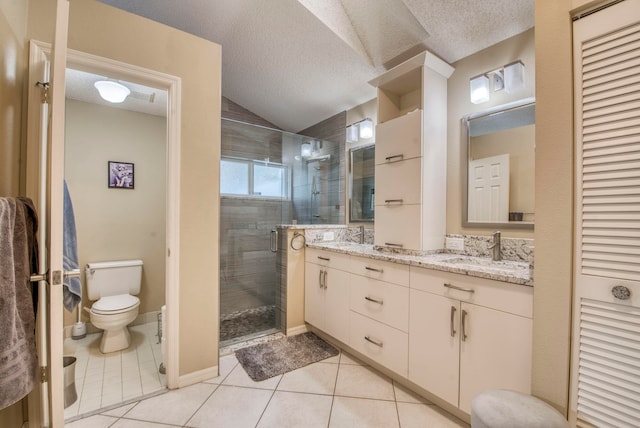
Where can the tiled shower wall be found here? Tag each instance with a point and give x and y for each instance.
(332, 129)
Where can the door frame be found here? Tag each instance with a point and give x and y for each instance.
(40, 51)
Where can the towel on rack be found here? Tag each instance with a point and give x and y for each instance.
(72, 294)
(18, 358)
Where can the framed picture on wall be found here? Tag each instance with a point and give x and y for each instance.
(120, 175)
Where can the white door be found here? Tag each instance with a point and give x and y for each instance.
(605, 382)
(45, 172)
(489, 189)
(314, 295)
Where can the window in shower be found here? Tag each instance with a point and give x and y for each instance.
(245, 177)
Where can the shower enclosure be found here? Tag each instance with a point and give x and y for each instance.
(267, 177)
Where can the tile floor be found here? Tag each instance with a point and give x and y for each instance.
(103, 380)
(337, 392)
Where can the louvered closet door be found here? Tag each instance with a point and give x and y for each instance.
(606, 356)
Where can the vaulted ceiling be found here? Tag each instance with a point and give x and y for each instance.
(297, 62)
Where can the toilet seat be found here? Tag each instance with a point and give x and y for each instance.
(110, 305)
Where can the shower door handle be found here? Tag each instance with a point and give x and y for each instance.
(273, 243)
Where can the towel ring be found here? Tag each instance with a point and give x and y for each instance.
(297, 247)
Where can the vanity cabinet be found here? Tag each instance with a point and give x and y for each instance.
(326, 292)
(468, 335)
(411, 155)
(379, 319)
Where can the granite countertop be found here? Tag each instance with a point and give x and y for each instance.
(507, 271)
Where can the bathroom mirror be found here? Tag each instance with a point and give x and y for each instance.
(361, 184)
(498, 148)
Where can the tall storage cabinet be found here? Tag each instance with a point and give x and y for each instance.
(411, 154)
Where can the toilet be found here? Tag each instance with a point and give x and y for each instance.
(113, 286)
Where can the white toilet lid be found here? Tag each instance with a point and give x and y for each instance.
(110, 304)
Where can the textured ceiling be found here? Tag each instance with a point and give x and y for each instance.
(297, 62)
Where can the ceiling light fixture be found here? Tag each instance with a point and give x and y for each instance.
(111, 91)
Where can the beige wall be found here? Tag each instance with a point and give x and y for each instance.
(13, 27)
(520, 47)
(118, 224)
(109, 32)
(554, 203)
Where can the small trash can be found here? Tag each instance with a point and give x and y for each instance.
(69, 370)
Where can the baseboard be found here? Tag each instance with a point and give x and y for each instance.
(198, 376)
(297, 330)
(145, 318)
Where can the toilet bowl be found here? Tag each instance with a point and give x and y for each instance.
(113, 314)
(113, 285)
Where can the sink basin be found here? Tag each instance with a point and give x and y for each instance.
(483, 263)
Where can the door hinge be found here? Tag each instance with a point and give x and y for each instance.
(45, 91)
(43, 374)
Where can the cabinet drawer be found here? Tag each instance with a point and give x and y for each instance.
(384, 302)
(395, 273)
(399, 181)
(379, 342)
(399, 138)
(399, 225)
(327, 258)
(502, 296)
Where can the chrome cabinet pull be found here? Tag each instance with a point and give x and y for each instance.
(464, 330)
(375, 342)
(326, 259)
(394, 201)
(391, 244)
(453, 315)
(398, 157)
(373, 269)
(324, 280)
(320, 277)
(455, 287)
(380, 302)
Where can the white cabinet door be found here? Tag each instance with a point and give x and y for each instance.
(314, 295)
(399, 139)
(398, 226)
(381, 301)
(434, 344)
(336, 304)
(496, 352)
(399, 182)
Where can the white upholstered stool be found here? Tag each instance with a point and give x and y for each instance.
(499, 408)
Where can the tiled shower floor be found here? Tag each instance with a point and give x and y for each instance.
(103, 380)
(248, 322)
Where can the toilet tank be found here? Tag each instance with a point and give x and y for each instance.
(113, 278)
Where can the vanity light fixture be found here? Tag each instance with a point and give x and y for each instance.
(305, 150)
(510, 78)
(513, 76)
(479, 89)
(362, 129)
(111, 91)
(352, 133)
(366, 128)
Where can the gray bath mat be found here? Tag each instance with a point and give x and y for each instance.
(283, 355)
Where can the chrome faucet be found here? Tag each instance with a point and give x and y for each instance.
(361, 233)
(496, 256)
